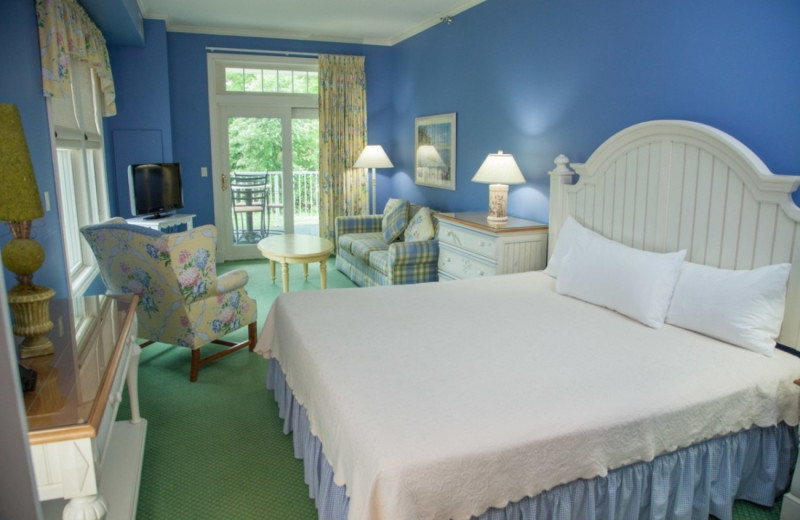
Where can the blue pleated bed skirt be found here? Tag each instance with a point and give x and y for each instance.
(691, 483)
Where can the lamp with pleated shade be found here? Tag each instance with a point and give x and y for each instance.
(498, 171)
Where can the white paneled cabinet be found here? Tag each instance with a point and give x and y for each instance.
(86, 464)
(469, 247)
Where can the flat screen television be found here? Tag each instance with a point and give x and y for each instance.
(155, 189)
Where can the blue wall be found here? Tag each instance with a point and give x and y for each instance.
(188, 83)
(142, 129)
(532, 78)
(22, 85)
(541, 78)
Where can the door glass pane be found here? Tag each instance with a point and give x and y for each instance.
(305, 175)
(255, 154)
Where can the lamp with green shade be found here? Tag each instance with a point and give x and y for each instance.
(22, 255)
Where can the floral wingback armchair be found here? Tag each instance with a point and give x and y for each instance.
(181, 299)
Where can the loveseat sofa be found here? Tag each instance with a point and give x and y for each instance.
(398, 247)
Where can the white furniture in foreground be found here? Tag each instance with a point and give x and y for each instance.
(79, 452)
(296, 249)
(469, 247)
(164, 223)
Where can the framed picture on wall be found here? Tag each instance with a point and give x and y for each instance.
(435, 151)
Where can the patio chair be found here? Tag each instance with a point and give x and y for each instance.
(181, 300)
(250, 196)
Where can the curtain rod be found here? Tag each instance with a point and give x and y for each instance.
(259, 51)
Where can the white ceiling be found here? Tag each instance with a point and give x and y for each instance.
(378, 22)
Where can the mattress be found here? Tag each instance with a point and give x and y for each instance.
(409, 390)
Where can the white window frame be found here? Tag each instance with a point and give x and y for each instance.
(81, 183)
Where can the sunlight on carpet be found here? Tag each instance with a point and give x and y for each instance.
(215, 448)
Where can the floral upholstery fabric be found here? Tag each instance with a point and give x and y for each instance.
(181, 299)
(66, 34)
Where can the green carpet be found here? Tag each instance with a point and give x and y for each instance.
(215, 448)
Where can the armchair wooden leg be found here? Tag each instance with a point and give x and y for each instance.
(198, 361)
(195, 368)
(252, 335)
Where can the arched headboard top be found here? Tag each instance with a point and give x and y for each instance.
(668, 185)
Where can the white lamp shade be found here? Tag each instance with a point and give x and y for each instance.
(499, 168)
(428, 157)
(373, 156)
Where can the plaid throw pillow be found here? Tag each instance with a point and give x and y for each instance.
(395, 219)
(420, 227)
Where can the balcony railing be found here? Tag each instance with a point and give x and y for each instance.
(305, 205)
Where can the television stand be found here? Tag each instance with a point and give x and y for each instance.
(165, 223)
(158, 216)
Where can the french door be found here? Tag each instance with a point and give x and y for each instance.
(279, 146)
(264, 150)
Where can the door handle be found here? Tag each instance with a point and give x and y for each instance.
(224, 182)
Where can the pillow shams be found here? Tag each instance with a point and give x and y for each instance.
(743, 307)
(633, 282)
(420, 227)
(570, 232)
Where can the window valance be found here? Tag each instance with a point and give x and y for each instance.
(67, 34)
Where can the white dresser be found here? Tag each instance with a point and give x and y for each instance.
(87, 465)
(469, 247)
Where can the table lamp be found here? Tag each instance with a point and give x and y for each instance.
(19, 205)
(373, 157)
(498, 171)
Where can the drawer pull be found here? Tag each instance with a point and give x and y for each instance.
(455, 237)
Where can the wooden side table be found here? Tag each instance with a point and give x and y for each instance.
(296, 249)
(470, 247)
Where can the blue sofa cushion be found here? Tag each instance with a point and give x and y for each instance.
(395, 219)
(362, 247)
(346, 241)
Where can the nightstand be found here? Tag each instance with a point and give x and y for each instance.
(469, 247)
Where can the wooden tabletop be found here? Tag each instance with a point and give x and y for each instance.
(294, 247)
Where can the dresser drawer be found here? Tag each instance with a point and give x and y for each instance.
(474, 241)
(460, 265)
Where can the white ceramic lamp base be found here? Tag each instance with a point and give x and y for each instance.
(498, 202)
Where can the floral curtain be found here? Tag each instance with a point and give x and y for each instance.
(343, 135)
(66, 33)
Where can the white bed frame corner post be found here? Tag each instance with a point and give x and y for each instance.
(560, 177)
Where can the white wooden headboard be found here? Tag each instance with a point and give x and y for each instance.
(669, 185)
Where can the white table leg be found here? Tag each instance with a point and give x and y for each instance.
(133, 381)
(92, 507)
(285, 272)
(323, 274)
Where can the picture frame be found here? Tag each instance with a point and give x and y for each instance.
(435, 151)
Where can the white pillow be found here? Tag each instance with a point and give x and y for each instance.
(633, 282)
(570, 232)
(743, 307)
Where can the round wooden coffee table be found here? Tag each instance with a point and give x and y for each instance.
(296, 249)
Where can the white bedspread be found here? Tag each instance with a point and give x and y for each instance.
(442, 400)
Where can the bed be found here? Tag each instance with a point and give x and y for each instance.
(519, 396)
